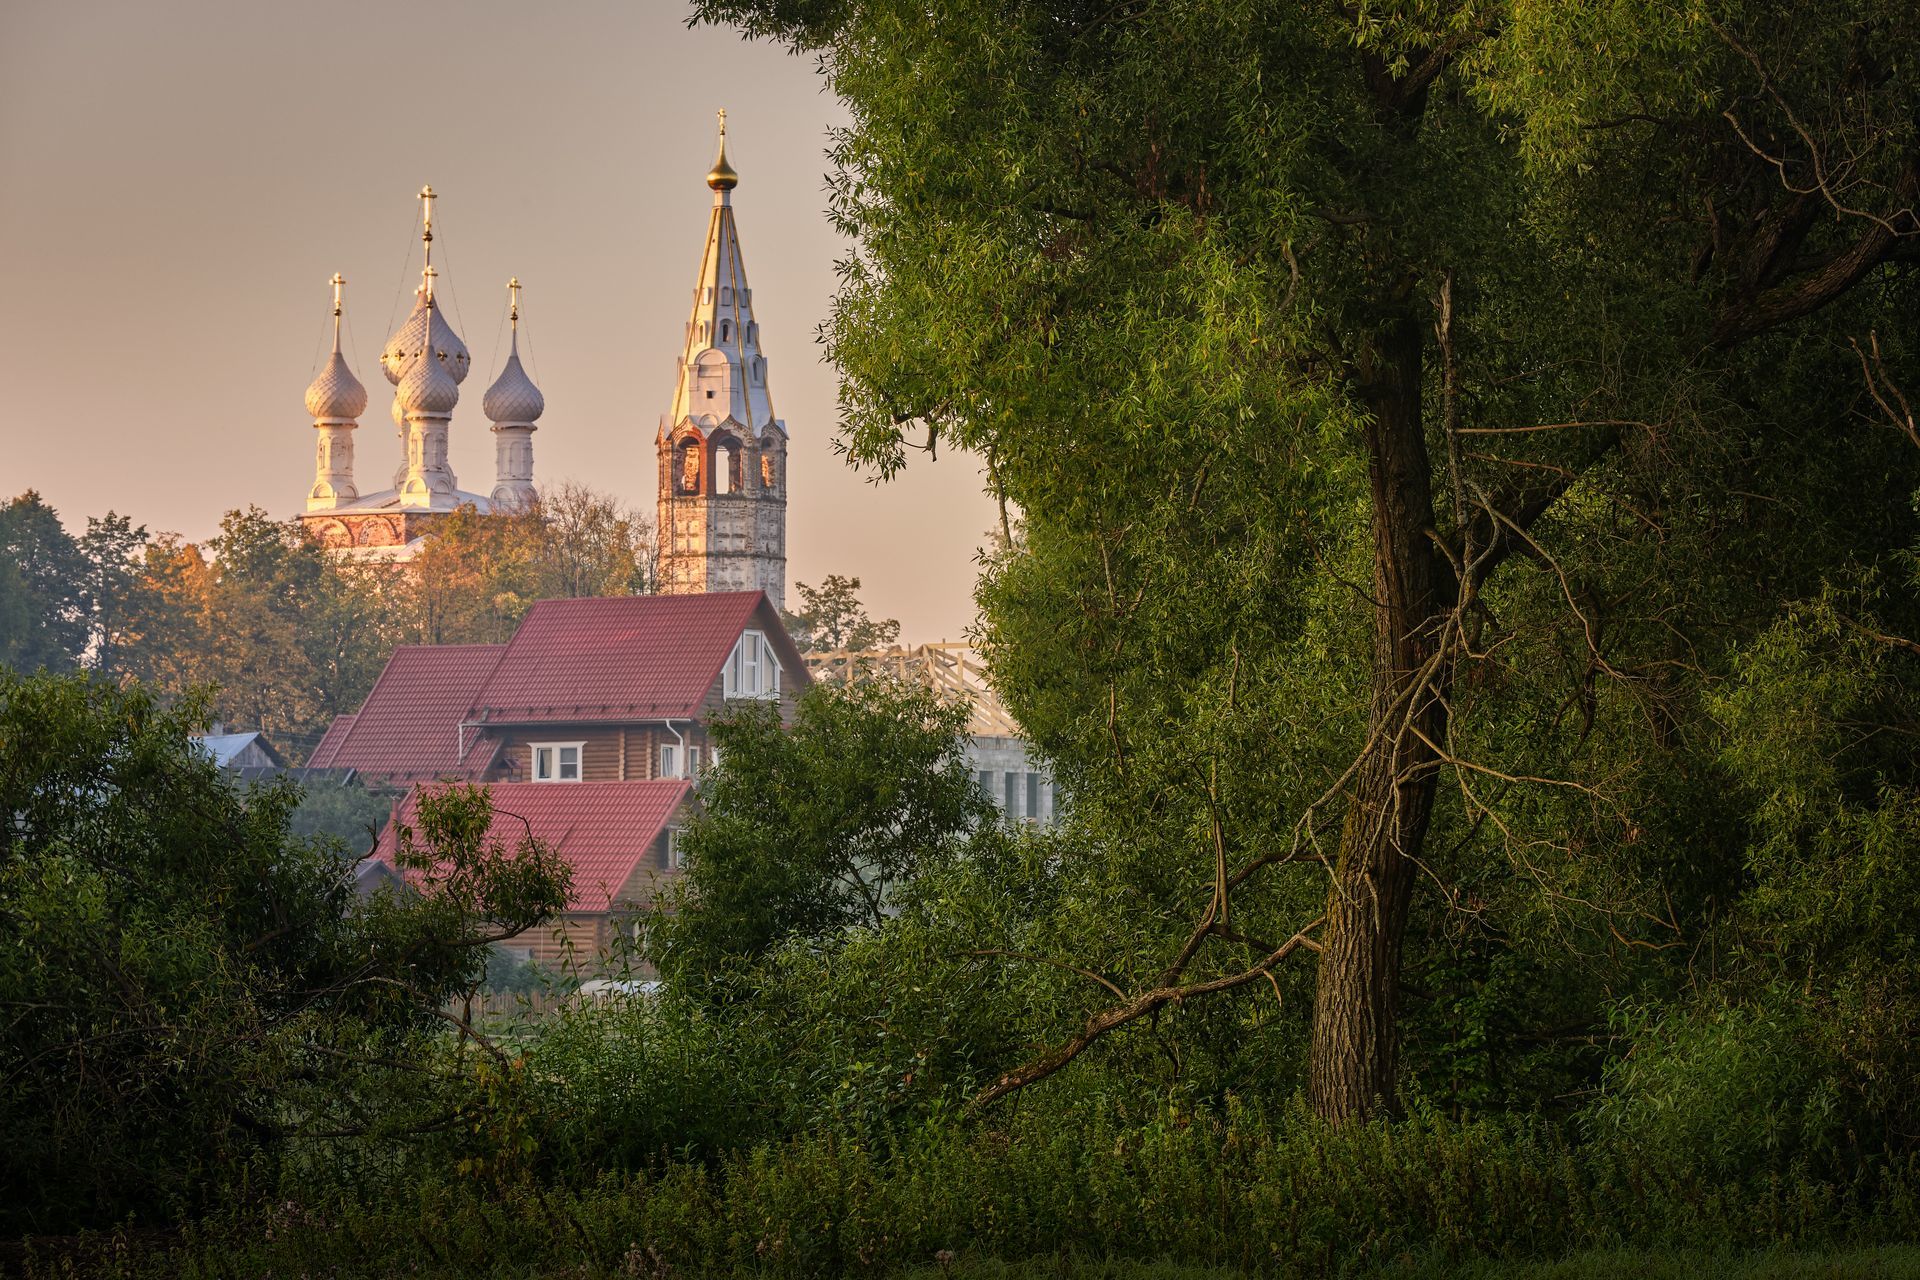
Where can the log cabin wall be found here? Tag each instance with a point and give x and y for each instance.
(609, 753)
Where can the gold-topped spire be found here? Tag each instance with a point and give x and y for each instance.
(427, 278)
(722, 176)
(513, 302)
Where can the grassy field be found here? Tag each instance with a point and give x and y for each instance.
(102, 1258)
(1889, 1263)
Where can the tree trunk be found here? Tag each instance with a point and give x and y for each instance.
(1353, 1053)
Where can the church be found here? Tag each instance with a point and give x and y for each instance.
(722, 516)
(589, 725)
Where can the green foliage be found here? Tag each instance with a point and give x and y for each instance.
(43, 610)
(350, 813)
(811, 830)
(831, 617)
(1278, 1196)
(192, 994)
(1150, 264)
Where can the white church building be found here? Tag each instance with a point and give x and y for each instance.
(722, 522)
(721, 460)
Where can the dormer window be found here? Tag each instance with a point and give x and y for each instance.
(557, 761)
(752, 671)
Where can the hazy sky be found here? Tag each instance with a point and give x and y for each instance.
(178, 180)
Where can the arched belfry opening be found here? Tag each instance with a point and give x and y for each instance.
(688, 467)
(729, 464)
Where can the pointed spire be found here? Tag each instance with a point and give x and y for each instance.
(722, 177)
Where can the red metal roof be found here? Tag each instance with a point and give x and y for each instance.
(409, 726)
(623, 658)
(329, 742)
(604, 830)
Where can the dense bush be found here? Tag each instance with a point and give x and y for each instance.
(191, 994)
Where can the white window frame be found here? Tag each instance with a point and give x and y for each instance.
(579, 750)
(669, 760)
(753, 669)
(676, 856)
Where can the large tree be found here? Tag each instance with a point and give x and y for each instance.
(1393, 393)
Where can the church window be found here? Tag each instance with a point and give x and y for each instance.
(752, 671)
(723, 331)
(557, 761)
(769, 472)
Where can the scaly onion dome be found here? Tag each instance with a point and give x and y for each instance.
(429, 387)
(406, 341)
(513, 400)
(336, 395)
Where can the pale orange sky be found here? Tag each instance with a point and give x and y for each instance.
(178, 180)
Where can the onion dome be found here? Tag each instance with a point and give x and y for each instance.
(428, 387)
(722, 177)
(409, 338)
(513, 400)
(336, 395)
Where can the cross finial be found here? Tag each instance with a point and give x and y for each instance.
(336, 282)
(429, 276)
(723, 122)
(426, 238)
(513, 301)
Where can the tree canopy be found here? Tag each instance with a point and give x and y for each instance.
(1415, 413)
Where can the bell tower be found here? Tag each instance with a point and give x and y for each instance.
(722, 453)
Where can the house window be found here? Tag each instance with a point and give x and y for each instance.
(986, 783)
(676, 856)
(669, 760)
(1013, 794)
(693, 761)
(752, 671)
(557, 761)
(1033, 797)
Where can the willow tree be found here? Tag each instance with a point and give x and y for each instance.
(1382, 324)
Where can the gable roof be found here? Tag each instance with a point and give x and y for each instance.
(329, 742)
(409, 726)
(625, 657)
(604, 830)
(222, 748)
